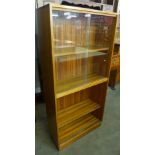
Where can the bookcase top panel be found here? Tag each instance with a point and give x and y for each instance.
(81, 10)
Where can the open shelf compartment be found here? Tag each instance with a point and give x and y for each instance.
(78, 104)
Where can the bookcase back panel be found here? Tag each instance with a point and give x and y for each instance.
(95, 94)
(69, 100)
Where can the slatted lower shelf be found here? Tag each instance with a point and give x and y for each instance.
(76, 129)
(76, 111)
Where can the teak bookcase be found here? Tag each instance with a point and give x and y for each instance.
(76, 46)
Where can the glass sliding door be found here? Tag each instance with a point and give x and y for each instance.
(81, 45)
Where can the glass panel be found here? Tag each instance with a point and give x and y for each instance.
(81, 44)
(100, 40)
(70, 32)
(101, 28)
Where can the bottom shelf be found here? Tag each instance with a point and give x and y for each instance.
(76, 129)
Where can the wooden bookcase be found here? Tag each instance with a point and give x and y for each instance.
(76, 46)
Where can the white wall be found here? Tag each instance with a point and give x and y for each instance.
(44, 2)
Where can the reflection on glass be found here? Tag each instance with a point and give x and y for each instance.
(55, 15)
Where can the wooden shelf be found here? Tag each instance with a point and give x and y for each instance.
(117, 42)
(76, 111)
(80, 50)
(76, 129)
(98, 49)
(83, 55)
(67, 87)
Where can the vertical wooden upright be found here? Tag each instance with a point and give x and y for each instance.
(47, 68)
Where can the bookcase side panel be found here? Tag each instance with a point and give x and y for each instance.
(47, 69)
(113, 31)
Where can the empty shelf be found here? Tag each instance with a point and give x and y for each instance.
(79, 50)
(83, 56)
(78, 128)
(67, 87)
(98, 49)
(76, 111)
